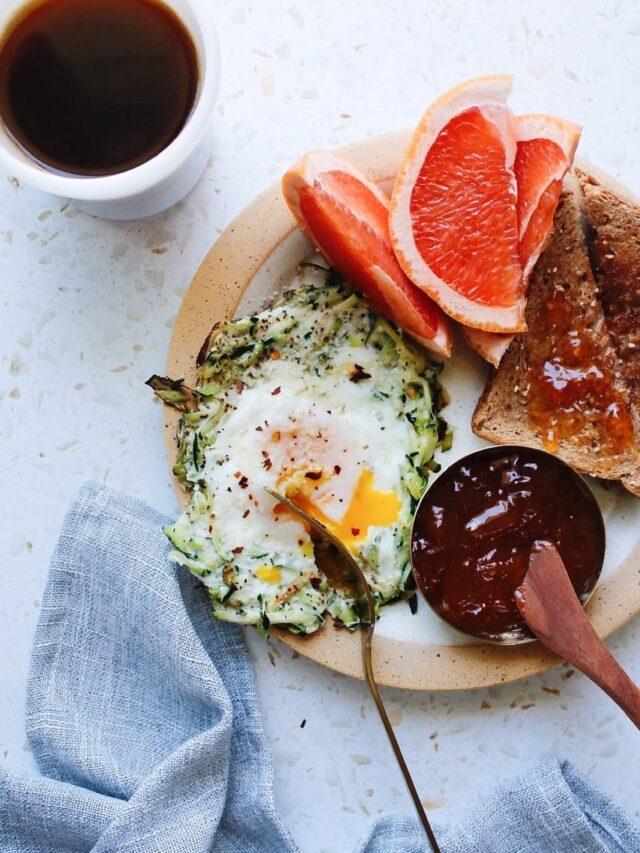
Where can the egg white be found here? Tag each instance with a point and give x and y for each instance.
(320, 424)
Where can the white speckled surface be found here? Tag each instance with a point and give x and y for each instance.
(87, 309)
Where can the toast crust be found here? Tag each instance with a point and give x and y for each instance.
(614, 243)
(613, 235)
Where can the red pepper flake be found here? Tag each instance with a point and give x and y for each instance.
(313, 475)
(275, 354)
(237, 474)
(239, 386)
(355, 531)
(276, 436)
(237, 550)
(246, 513)
(265, 455)
(267, 464)
(274, 392)
(211, 528)
(243, 482)
(358, 374)
(336, 469)
(315, 582)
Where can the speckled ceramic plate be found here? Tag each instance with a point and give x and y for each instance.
(255, 259)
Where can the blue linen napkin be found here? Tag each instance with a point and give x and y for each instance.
(143, 718)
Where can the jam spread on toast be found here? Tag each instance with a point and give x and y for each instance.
(571, 387)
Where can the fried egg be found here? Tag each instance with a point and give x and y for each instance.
(322, 400)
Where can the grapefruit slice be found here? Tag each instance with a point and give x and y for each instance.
(347, 217)
(453, 221)
(546, 147)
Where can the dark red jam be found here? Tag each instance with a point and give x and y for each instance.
(475, 528)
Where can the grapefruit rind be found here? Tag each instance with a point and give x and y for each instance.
(491, 346)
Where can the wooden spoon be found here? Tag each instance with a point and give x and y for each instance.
(549, 605)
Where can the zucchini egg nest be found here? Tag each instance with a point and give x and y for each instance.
(320, 398)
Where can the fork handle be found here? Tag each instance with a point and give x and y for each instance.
(373, 687)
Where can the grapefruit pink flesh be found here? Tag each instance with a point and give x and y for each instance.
(471, 198)
(539, 228)
(346, 216)
(453, 217)
(537, 161)
(539, 168)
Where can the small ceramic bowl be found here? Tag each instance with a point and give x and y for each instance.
(164, 179)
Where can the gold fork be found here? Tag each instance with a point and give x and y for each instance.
(351, 577)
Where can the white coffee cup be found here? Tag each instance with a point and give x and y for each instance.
(164, 179)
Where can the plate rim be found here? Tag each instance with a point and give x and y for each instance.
(214, 293)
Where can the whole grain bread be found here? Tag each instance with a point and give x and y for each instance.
(560, 386)
(614, 242)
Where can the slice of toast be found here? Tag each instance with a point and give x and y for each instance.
(560, 385)
(614, 243)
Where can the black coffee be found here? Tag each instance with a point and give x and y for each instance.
(95, 87)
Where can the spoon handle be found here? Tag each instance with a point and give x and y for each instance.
(351, 576)
(550, 607)
(605, 671)
(395, 746)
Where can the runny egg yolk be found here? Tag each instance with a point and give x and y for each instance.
(369, 507)
(269, 574)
